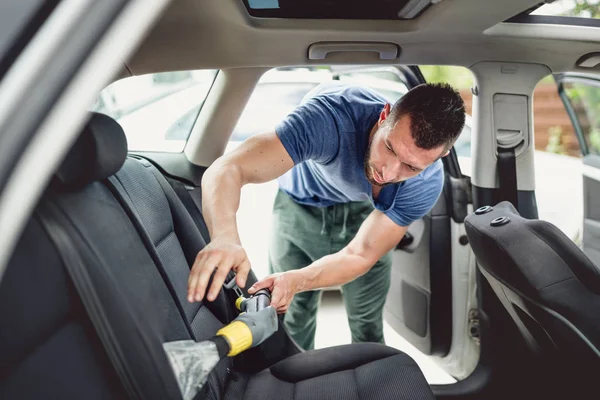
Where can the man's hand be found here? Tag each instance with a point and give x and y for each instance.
(377, 235)
(283, 287)
(259, 159)
(222, 256)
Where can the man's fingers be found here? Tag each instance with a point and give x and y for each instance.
(193, 279)
(277, 297)
(206, 270)
(281, 310)
(262, 284)
(242, 273)
(219, 279)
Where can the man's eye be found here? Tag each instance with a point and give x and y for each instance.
(389, 148)
(412, 169)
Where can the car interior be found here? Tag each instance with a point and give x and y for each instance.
(500, 299)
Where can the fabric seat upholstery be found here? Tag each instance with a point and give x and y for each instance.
(350, 372)
(546, 283)
(143, 246)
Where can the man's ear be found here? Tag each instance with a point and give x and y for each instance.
(446, 153)
(384, 114)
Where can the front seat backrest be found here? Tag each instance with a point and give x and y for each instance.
(546, 283)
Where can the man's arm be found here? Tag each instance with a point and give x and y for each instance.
(259, 159)
(377, 235)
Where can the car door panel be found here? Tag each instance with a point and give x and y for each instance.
(581, 95)
(419, 303)
(591, 211)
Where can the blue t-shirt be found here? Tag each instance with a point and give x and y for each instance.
(327, 137)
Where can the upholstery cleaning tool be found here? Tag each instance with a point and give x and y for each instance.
(193, 361)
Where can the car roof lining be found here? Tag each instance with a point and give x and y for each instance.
(194, 34)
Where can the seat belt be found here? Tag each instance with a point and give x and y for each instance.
(52, 220)
(507, 175)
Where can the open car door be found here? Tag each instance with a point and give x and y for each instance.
(581, 96)
(432, 291)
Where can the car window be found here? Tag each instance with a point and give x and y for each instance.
(586, 101)
(279, 91)
(462, 146)
(157, 111)
(270, 103)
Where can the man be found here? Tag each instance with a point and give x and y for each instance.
(354, 173)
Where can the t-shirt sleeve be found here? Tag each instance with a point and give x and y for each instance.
(417, 197)
(310, 132)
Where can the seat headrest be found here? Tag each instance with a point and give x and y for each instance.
(527, 255)
(99, 152)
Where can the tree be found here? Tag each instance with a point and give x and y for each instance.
(583, 8)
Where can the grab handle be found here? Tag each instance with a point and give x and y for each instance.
(319, 51)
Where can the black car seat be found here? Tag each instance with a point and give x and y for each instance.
(548, 286)
(138, 252)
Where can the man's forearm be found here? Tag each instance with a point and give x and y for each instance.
(221, 187)
(333, 270)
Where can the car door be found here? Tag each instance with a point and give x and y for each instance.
(431, 295)
(581, 96)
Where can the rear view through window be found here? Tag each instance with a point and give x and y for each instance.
(157, 111)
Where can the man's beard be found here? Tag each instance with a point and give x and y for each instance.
(367, 165)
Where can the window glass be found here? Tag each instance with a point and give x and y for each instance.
(563, 12)
(338, 9)
(586, 103)
(570, 8)
(462, 80)
(157, 111)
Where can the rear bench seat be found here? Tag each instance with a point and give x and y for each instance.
(141, 241)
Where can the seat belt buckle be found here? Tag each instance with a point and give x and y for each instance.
(232, 285)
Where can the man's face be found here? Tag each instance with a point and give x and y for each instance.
(393, 155)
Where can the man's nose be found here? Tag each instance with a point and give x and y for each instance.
(390, 172)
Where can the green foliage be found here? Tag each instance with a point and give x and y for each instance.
(586, 102)
(584, 8)
(458, 77)
(594, 138)
(555, 143)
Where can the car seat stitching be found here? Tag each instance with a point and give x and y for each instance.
(160, 241)
(356, 382)
(556, 283)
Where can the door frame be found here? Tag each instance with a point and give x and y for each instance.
(46, 90)
(441, 218)
(591, 162)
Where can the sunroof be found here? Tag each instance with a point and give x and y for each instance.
(338, 9)
(564, 12)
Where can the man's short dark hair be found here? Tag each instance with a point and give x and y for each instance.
(437, 114)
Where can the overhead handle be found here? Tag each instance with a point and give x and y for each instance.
(589, 60)
(319, 51)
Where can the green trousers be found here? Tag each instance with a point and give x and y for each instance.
(302, 234)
